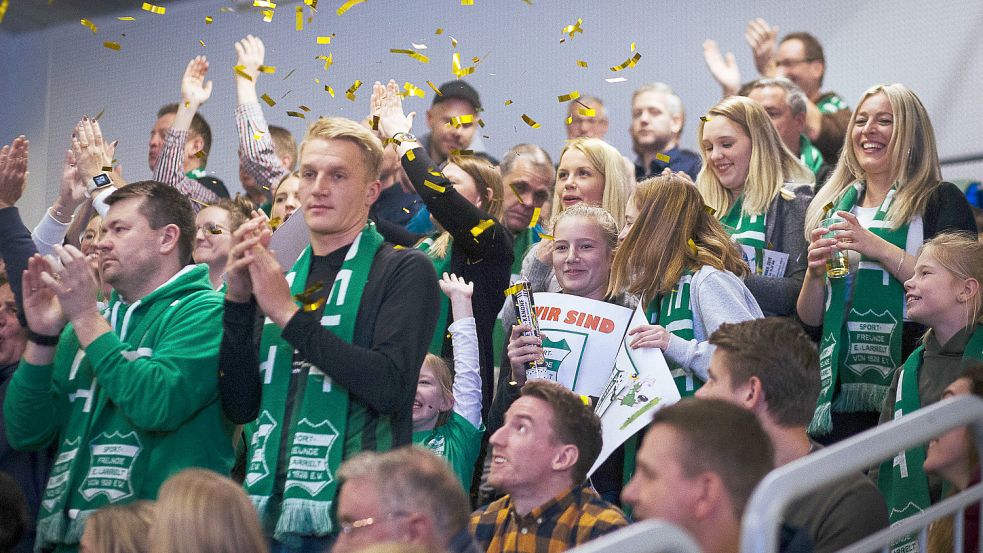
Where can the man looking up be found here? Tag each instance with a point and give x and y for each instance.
(540, 458)
(771, 368)
(657, 119)
(130, 400)
(335, 370)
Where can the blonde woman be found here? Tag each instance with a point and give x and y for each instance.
(887, 188)
(679, 260)
(200, 511)
(118, 529)
(760, 192)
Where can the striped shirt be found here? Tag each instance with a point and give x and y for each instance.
(574, 517)
(256, 152)
(170, 170)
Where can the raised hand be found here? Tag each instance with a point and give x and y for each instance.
(92, 153)
(41, 306)
(762, 38)
(723, 68)
(71, 280)
(195, 89)
(387, 104)
(13, 171)
(250, 54)
(271, 288)
(251, 235)
(455, 287)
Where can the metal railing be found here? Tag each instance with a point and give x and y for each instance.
(766, 509)
(648, 536)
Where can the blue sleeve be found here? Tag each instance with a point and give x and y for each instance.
(16, 247)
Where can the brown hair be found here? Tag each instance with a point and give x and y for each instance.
(284, 144)
(340, 128)
(962, 255)
(200, 511)
(573, 423)
(486, 176)
(199, 127)
(722, 438)
(122, 528)
(811, 46)
(162, 205)
(240, 210)
(779, 354)
(601, 217)
(656, 252)
(444, 378)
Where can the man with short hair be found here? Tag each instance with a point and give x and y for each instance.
(581, 122)
(540, 458)
(335, 368)
(770, 367)
(527, 179)
(657, 119)
(407, 495)
(181, 140)
(130, 400)
(453, 120)
(698, 464)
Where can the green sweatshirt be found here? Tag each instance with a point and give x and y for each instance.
(137, 406)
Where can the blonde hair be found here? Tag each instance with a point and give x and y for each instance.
(914, 160)
(962, 255)
(200, 511)
(444, 378)
(486, 177)
(656, 252)
(122, 528)
(617, 181)
(771, 164)
(598, 215)
(339, 128)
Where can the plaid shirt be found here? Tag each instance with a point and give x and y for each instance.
(574, 517)
(256, 151)
(170, 170)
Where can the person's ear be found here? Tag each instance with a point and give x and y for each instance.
(446, 402)
(372, 192)
(970, 288)
(565, 458)
(419, 529)
(677, 123)
(710, 495)
(169, 239)
(194, 145)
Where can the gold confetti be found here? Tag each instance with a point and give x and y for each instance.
(456, 66)
(264, 4)
(529, 121)
(200, 154)
(295, 114)
(710, 211)
(269, 101)
(692, 246)
(89, 25)
(567, 97)
(268, 69)
(324, 40)
(312, 4)
(350, 93)
(3, 9)
(411, 90)
(458, 152)
(415, 55)
(275, 222)
(439, 31)
(535, 217)
(328, 60)
(112, 45)
(329, 90)
(348, 5)
(461, 120)
(107, 168)
(454, 42)
(308, 300)
(704, 118)
(516, 192)
(410, 156)
(99, 115)
(375, 122)
(440, 189)
(482, 227)
(587, 112)
(630, 62)
(508, 102)
(632, 46)
(208, 20)
(202, 42)
(257, 135)
(616, 80)
(544, 236)
(481, 124)
(305, 108)
(434, 88)
(662, 157)
(126, 18)
(571, 30)
(467, 2)
(300, 19)
(240, 70)
(569, 119)
(159, 10)
(582, 63)
(268, 15)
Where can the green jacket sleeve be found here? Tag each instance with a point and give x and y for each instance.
(33, 409)
(162, 390)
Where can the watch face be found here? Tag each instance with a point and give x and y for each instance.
(102, 179)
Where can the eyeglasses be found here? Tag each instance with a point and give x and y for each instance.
(209, 228)
(792, 63)
(348, 527)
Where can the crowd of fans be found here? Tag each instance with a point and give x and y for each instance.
(170, 383)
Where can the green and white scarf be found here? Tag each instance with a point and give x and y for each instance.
(902, 480)
(867, 340)
(317, 429)
(441, 265)
(675, 312)
(747, 230)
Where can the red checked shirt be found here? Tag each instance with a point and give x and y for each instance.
(170, 170)
(256, 153)
(575, 517)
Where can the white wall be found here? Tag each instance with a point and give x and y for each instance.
(53, 77)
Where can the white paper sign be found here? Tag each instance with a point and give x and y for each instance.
(773, 264)
(640, 385)
(581, 338)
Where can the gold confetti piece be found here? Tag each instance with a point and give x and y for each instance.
(571, 30)
(439, 31)
(482, 227)
(257, 135)
(454, 42)
(329, 90)
(375, 122)
(214, 230)
(328, 60)
(434, 88)
(268, 69)
(347, 6)
(107, 168)
(529, 121)
(99, 115)
(295, 114)
(456, 66)
(240, 70)
(481, 124)
(692, 246)
(567, 97)
(440, 189)
(3, 9)
(89, 25)
(317, 81)
(267, 15)
(508, 102)
(350, 93)
(415, 55)
(208, 20)
(632, 46)
(467, 2)
(264, 4)
(582, 63)
(710, 211)
(630, 62)
(159, 10)
(300, 18)
(535, 217)
(269, 101)
(569, 119)
(112, 45)
(126, 18)
(512, 290)
(462, 120)
(410, 156)
(662, 157)
(202, 42)
(704, 118)
(419, 46)
(308, 298)
(587, 112)
(324, 40)
(305, 108)
(516, 192)
(458, 152)
(200, 154)
(275, 222)
(406, 210)
(544, 236)
(411, 90)
(311, 3)
(616, 80)
(435, 173)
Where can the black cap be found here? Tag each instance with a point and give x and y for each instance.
(458, 89)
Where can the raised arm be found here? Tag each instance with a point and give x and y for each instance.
(762, 38)
(16, 246)
(464, 336)
(723, 68)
